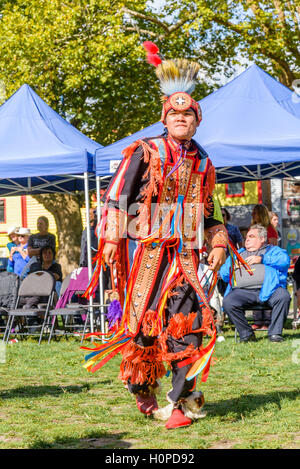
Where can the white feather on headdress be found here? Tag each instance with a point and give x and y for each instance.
(177, 75)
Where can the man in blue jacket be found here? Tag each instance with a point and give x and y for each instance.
(267, 285)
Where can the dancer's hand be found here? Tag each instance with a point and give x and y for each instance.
(216, 259)
(109, 253)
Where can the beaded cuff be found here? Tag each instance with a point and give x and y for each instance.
(115, 225)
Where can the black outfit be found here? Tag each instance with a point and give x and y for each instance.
(38, 241)
(54, 268)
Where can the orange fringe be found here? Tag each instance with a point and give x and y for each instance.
(178, 282)
(150, 324)
(181, 325)
(141, 364)
(128, 151)
(170, 357)
(207, 319)
(178, 327)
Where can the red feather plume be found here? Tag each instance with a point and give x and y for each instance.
(154, 59)
(151, 47)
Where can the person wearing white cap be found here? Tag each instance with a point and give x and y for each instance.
(12, 234)
(18, 257)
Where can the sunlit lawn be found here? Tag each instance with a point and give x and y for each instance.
(48, 400)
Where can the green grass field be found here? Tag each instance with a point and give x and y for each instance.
(48, 400)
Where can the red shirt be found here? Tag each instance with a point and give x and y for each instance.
(271, 232)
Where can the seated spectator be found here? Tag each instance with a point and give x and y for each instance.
(234, 233)
(46, 261)
(18, 257)
(274, 220)
(267, 285)
(296, 277)
(260, 216)
(13, 236)
(41, 239)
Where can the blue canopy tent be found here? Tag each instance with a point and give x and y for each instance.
(41, 152)
(250, 129)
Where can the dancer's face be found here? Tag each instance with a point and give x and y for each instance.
(181, 125)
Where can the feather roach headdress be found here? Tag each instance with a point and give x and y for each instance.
(177, 79)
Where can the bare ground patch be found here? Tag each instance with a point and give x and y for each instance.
(224, 444)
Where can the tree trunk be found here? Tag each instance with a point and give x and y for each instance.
(65, 209)
(266, 193)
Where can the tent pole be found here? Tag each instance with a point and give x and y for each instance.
(98, 188)
(88, 233)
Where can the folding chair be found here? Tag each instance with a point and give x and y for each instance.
(35, 284)
(69, 311)
(9, 287)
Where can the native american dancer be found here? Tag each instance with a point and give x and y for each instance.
(162, 196)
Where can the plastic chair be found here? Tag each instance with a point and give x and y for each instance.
(70, 310)
(40, 284)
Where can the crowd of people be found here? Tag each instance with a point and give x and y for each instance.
(32, 252)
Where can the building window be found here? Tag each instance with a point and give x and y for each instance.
(2, 210)
(235, 189)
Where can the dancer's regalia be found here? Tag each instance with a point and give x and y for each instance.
(165, 310)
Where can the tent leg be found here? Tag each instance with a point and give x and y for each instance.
(88, 232)
(102, 320)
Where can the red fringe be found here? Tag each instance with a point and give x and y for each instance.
(178, 282)
(181, 325)
(207, 321)
(151, 324)
(170, 357)
(128, 151)
(141, 364)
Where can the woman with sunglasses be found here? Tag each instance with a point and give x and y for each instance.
(18, 257)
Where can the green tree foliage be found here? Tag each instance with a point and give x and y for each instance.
(226, 31)
(89, 52)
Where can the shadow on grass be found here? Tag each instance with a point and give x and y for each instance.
(94, 440)
(38, 391)
(243, 406)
